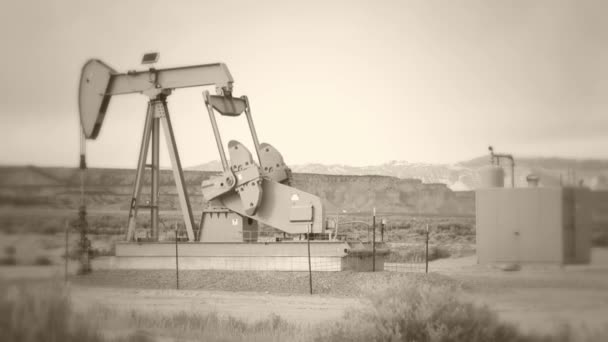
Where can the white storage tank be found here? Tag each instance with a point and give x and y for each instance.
(492, 176)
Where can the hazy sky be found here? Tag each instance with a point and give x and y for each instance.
(352, 82)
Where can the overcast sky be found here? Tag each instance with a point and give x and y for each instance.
(353, 82)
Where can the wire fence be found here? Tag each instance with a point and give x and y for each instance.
(273, 251)
(405, 253)
(409, 256)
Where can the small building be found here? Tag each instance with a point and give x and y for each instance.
(544, 225)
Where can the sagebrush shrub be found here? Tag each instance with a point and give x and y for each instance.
(43, 261)
(40, 313)
(422, 313)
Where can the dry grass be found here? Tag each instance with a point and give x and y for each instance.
(184, 326)
(419, 311)
(43, 312)
(600, 238)
(40, 312)
(417, 254)
(435, 313)
(42, 260)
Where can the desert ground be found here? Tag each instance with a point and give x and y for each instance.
(535, 299)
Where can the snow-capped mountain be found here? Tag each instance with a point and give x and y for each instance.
(455, 176)
(463, 176)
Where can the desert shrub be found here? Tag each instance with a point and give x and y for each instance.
(8, 261)
(210, 322)
(103, 251)
(417, 254)
(600, 239)
(8, 229)
(438, 252)
(422, 313)
(408, 255)
(43, 312)
(110, 222)
(196, 326)
(455, 229)
(10, 250)
(420, 231)
(40, 313)
(137, 336)
(404, 226)
(42, 261)
(32, 224)
(50, 243)
(50, 230)
(74, 253)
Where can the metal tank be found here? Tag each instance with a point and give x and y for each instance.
(492, 176)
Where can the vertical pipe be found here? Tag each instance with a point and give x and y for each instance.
(374, 241)
(337, 224)
(83, 165)
(216, 132)
(426, 254)
(309, 264)
(155, 173)
(512, 172)
(82, 212)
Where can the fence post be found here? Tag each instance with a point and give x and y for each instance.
(67, 235)
(309, 264)
(426, 257)
(374, 241)
(176, 261)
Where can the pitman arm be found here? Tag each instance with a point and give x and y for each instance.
(260, 192)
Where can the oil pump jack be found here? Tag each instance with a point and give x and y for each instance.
(248, 191)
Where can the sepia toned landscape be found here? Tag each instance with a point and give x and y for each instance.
(344, 170)
(535, 303)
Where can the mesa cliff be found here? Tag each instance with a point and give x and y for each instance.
(110, 189)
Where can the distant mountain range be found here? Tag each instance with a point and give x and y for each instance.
(463, 176)
(110, 190)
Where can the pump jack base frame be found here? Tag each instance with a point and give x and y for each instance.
(260, 256)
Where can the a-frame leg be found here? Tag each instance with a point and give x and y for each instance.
(141, 165)
(161, 110)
